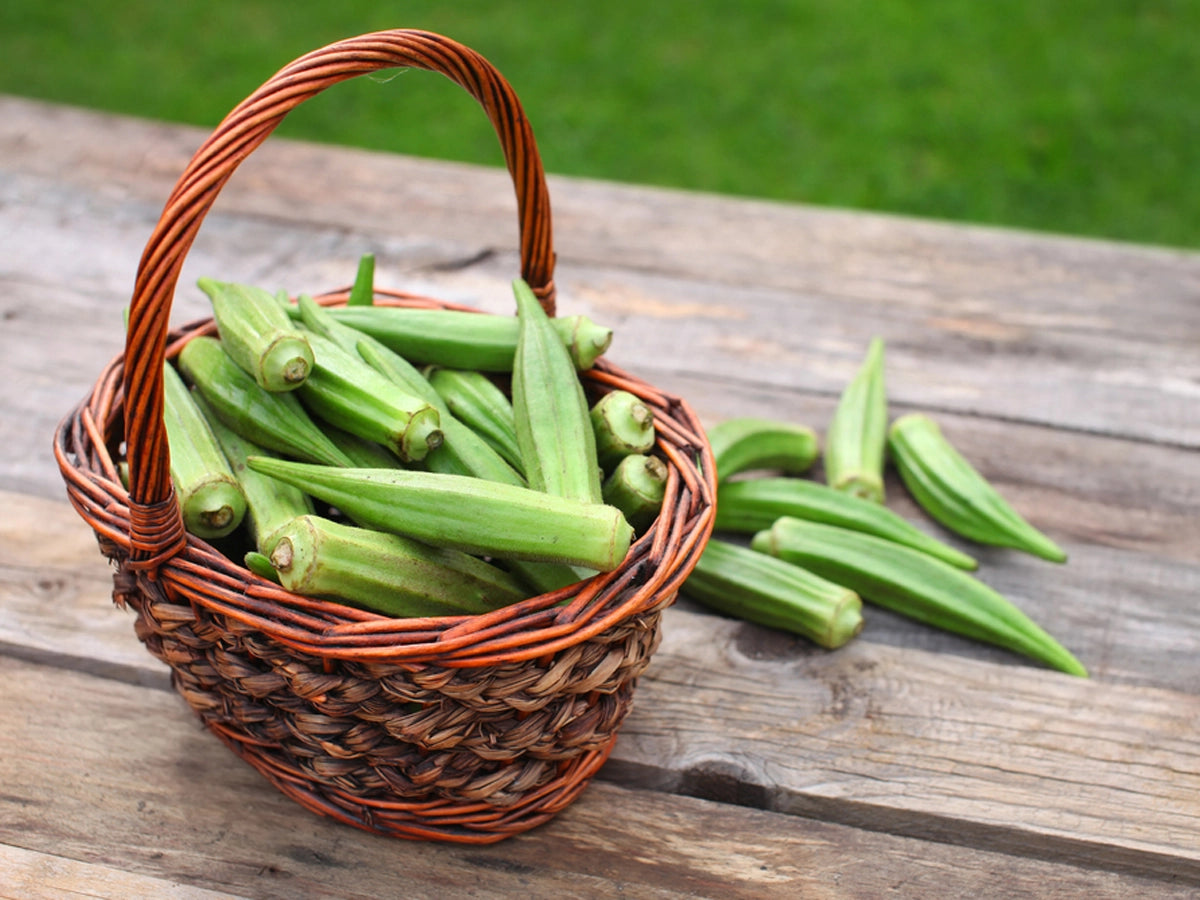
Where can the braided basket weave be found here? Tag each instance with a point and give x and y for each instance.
(468, 728)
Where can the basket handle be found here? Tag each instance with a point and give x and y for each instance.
(156, 525)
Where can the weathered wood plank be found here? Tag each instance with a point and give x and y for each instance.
(978, 320)
(136, 786)
(987, 752)
(29, 875)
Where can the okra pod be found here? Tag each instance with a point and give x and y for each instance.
(209, 496)
(913, 584)
(362, 293)
(260, 565)
(277, 421)
(954, 493)
(747, 442)
(623, 426)
(636, 487)
(258, 335)
(462, 451)
(754, 504)
(550, 410)
(486, 518)
(387, 573)
(759, 588)
(458, 339)
(854, 444)
(270, 504)
(347, 393)
(477, 401)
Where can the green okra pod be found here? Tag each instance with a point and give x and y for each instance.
(913, 584)
(754, 504)
(759, 588)
(270, 504)
(623, 426)
(347, 393)
(550, 411)
(486, 518)
(387, 573)
(210, 499)
(479, 403)
(458, 339)
(277, 421)
(854, 443)
(954, 493)
(260, 565)
(258, 335)
(362, 293)
(636, 487)
(748, 442)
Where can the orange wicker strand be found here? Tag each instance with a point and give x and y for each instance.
(466, 728)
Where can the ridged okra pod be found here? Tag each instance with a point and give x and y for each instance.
(362, 292)
(387, 573)
(636, 487)
(347, 393)
(270, 504)
(486, 518)
(210, 499)
(623, 426)
(462, 451)
(855, 441)
(954, 493)
(749, 443)
(913, 584)
(458, 339)
(258, 334)
(554, 431)
(759, 588)
(277, 421)
(754, 504)
(477, 401)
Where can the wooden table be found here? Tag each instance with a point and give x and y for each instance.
(910, 763)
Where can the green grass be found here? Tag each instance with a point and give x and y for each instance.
(1079, 117)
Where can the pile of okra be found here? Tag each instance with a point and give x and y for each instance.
(817, 550)
(414, 462)
(436, 462)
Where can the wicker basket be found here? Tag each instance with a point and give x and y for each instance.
(459, 728)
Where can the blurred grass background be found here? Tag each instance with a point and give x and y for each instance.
(1080, 117)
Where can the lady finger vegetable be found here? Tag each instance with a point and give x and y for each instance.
(477, 401)
(458, 339)
(258, 334)
(623, 426)
(952, 491)
(277, 421)
(747, 442)
(913, 584)
(209, 497)
(363, 291)
(462, 452)
(387, 573)
(854, 444)
(754, 504)
(347, 393)
(270, 504)
(636, 487)
(482, 517)
(554, 432)
(749, 585)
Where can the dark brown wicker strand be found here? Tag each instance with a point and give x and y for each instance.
(457, 728)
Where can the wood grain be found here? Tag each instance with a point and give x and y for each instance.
(988, 753)
(152, 795)
(1081, 334)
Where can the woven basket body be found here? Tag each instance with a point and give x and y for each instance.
(457, 728)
